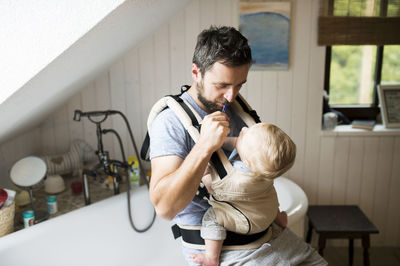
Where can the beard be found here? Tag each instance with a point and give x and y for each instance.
(211, 106)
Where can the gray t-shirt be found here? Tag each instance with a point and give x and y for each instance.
(169, 137)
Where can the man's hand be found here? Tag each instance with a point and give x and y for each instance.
(214, 130)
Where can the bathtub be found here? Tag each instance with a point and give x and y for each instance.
(293, 200)
(100, 234)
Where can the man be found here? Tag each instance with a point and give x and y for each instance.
(221, 63)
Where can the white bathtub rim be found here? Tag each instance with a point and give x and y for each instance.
(298, 203)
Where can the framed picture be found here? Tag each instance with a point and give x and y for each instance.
(266, 24)
(389, 99)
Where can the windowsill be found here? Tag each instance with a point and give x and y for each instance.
(347, 130)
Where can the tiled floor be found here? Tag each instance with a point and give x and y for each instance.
(379, 256)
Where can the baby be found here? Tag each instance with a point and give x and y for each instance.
(261, 153)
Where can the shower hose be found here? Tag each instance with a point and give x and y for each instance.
(129, 180)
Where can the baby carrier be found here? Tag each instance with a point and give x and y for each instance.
(220, 167)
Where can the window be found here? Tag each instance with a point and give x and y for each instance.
(354, 67)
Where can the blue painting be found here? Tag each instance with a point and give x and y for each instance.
(267, 27)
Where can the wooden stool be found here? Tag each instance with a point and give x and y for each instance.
(347, 222)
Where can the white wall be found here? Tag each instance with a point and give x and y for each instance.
(362, 170)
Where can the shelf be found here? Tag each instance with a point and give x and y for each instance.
(347, 130)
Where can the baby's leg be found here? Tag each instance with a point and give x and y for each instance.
(213, 235)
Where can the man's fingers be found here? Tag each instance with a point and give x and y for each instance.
(218, 115)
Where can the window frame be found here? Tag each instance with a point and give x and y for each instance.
(358, 111)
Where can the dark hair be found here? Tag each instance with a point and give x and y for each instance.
(221, 44)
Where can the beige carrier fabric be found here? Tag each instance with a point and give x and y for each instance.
(244, 203)
(179, 111)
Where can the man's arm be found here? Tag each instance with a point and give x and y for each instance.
(174, 180)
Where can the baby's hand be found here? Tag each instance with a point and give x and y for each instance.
(207, 180)
(281, 219)
(230, 143)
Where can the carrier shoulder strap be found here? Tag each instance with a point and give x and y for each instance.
(155, 110)
(244, 110)
(192, 123)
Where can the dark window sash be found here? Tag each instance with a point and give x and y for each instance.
(358, 111)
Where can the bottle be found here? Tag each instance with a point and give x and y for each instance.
(29, 218)
(134, 174)
(52, 204)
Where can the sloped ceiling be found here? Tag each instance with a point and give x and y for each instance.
(127, 24)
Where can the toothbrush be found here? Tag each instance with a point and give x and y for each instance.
(224, 109)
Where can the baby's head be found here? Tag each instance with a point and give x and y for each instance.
(266, 149)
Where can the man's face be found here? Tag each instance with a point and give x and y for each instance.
(219, 85)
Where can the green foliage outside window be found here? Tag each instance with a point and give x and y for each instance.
(352, 65)
(352, 68)
(391, 65)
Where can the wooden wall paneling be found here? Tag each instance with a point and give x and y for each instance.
(5, 164)
(392, 226)
(314, 109)
(147, 65)
(61, 130)
(369, 172)
(326, 169)
(9, 156)
(311, 167)
(137, 119)
(340, 170)
(192, 29)
(29, 143)
(269, 87)
(162, 63)
(75, 127)
(354, 171)
(235, 13)
(89, 104)
(382, 186)
(208, 15)
(103, 102)
(35, 141)
(12, 150)
(339, 178)
(223, 14)
(177, 55)
(254, 92)
(284, 104)
(23, 144)
(300, 35)
(48, 141)
(118, 102)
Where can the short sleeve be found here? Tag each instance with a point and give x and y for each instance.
(168, 136)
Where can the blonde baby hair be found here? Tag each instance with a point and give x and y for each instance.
(267, 150)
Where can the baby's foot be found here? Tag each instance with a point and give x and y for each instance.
(202, 259)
